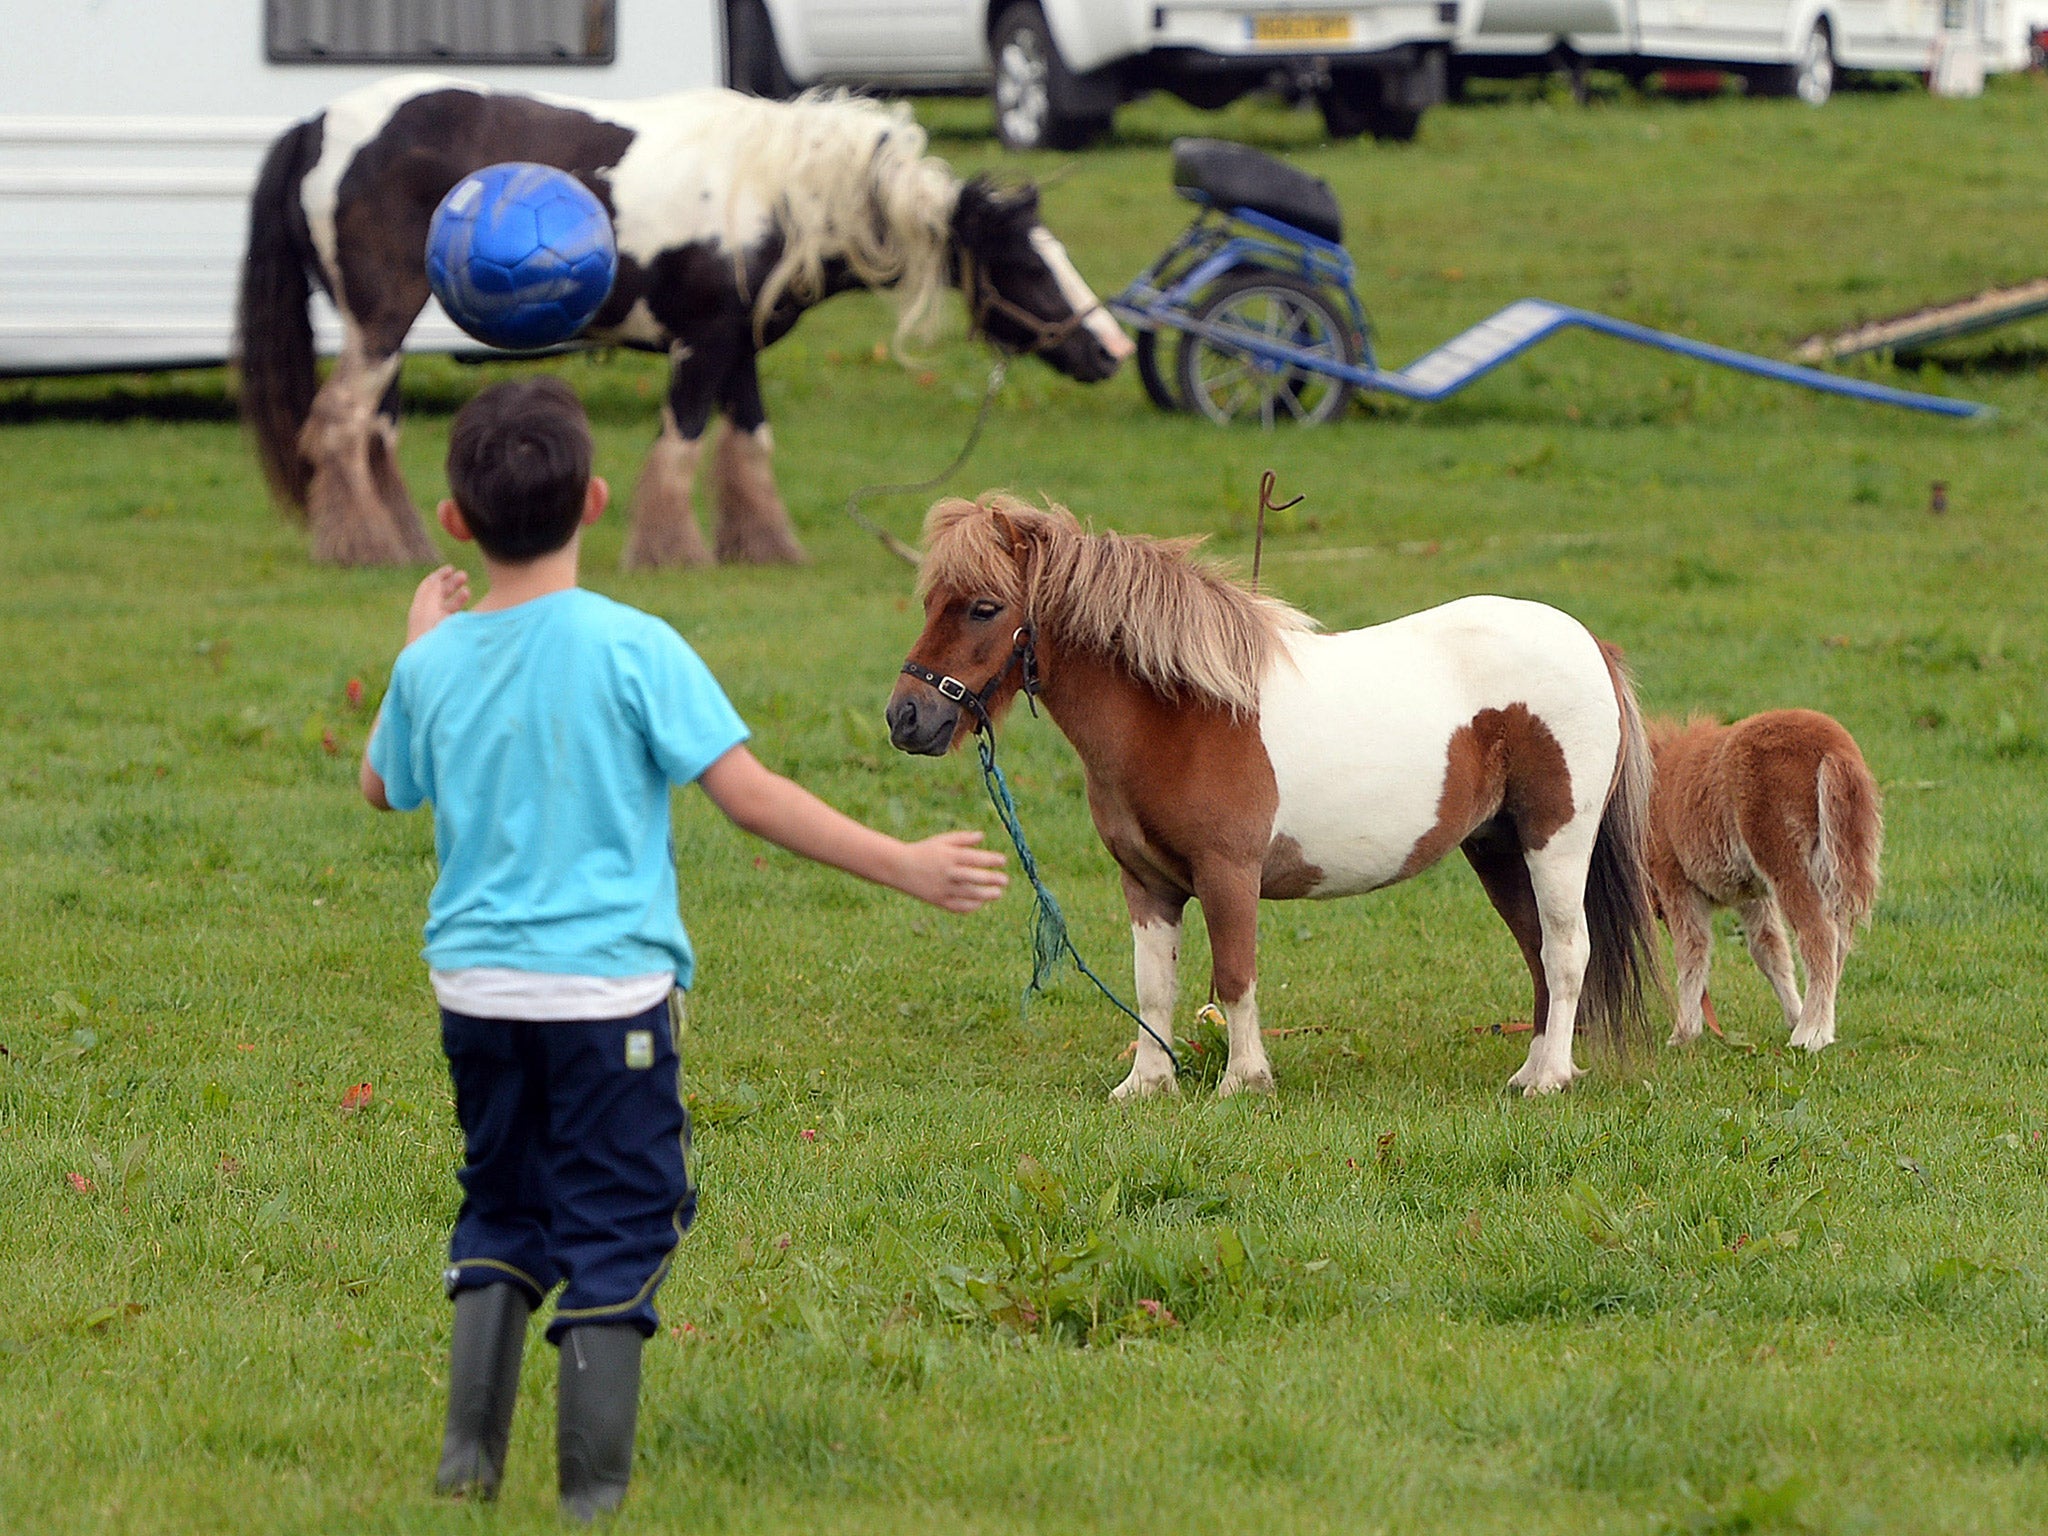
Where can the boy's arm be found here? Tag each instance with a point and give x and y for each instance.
(372, 782)
(947, 870)
(444, 591)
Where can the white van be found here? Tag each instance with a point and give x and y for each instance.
(1780, 47)
(1059, 68)
(131, 132)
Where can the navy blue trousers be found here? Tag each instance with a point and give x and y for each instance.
(575, 1147)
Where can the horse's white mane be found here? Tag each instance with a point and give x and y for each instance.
(847, 178)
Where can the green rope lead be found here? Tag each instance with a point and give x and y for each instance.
(1050, 940)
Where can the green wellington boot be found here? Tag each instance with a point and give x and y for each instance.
(600, 1399)
(483, 1384)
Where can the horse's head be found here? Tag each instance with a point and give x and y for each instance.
(978, 644)
(1022, 289)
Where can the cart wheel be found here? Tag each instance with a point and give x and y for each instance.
(1223, 383)
(1158, 387)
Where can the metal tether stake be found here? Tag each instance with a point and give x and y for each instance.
(896, 546)
(1267, 481)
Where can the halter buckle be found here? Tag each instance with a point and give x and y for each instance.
(952, 688)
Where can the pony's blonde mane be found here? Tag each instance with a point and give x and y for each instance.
(1180, 624)
(847, 178)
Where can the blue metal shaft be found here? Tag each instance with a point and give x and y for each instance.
(1562, 316)
(1478, 351)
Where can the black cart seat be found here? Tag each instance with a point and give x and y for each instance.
(1228, 175)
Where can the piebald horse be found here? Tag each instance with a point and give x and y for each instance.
(1233, 752)
(733, 215)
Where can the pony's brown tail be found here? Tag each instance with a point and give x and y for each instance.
(1849, 841)
(274, 329)
(1620, 919)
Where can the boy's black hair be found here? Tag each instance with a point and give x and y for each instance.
(518, 465)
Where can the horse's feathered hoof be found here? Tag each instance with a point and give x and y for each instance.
(349, 536)
(657, 546)
(753, 524)
(759, 544)
(665, 531)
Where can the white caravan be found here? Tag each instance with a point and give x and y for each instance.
(131, 132)
(1781, 47)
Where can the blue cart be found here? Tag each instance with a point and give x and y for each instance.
(1262, 300)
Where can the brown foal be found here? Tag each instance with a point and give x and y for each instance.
(1778, 817)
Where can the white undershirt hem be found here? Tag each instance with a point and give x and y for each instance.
(545, 997)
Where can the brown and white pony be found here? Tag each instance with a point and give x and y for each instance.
(1778, 817)
(733, 215)
(1232, 753)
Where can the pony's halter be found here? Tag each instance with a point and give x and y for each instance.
(984, 300)
(1023, 653)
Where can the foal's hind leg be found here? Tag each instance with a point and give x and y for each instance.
(1822, 944)
(1689, 917)
(1155, 949)
(1765, 935)
(1557, 878)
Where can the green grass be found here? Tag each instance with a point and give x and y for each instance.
(1730, 1291)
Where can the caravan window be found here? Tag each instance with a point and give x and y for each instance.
(440, 31)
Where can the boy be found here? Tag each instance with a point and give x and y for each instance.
(546, 726)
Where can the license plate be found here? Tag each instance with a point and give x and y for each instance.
(1297, 27)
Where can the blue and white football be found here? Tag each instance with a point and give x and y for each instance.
(521, 255)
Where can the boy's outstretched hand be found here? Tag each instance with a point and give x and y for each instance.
(445, 591)
(950, 871)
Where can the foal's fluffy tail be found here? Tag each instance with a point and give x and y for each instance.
(274, 340)
(1620, 919)
(1850, 838)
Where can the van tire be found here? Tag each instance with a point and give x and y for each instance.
(753, 62)
(1809, 78)
(1347, 103)
(1813, 79)
(1355, 104)
(1033, 90)
(1396, 125)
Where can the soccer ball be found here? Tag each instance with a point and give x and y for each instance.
(521, 255)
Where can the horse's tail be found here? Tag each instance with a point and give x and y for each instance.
(1620, 918)
(1849, 839)
(274, 328)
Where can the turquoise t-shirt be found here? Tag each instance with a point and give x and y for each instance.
(546, 737)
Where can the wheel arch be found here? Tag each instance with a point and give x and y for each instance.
(1087, 35)
(786, 21)
(1804, 18)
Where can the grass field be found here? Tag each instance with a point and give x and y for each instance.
(1734, 1290)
